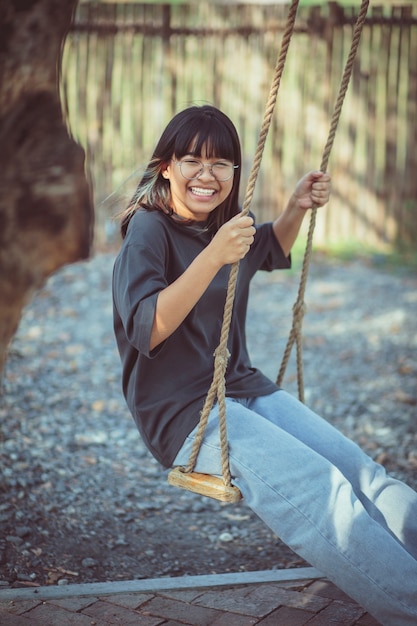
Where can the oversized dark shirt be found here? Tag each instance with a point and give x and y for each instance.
(165, 388)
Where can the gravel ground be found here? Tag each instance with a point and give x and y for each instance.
(81, 500)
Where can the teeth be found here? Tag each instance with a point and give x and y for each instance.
(199, 191)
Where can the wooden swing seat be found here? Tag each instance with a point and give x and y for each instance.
(204, 484)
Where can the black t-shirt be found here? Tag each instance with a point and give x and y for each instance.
(165, 389)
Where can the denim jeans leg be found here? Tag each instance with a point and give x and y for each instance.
(375, 489)
(311, 505)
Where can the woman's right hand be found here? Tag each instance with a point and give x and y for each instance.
(233, 240)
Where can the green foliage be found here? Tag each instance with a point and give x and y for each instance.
(346, 3)
(393, 260)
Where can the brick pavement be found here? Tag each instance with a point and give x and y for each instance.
(298, 602)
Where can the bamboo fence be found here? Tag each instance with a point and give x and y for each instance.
(127, 68)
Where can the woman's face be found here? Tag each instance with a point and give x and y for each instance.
(196, 198)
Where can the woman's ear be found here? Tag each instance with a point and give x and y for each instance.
(164, 170)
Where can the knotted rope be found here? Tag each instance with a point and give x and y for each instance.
(299, 307)
(218, 385)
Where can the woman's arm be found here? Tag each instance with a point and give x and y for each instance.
(230, 244)
(312, 189)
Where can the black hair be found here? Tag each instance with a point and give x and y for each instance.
(187, 133)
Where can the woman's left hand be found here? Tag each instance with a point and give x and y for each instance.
(313, 189)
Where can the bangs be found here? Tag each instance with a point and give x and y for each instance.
(210, 133)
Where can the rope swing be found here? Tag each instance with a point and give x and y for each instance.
(214, 486)
(299, 307)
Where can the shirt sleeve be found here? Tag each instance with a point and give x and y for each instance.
(266, 252)
(138, 277)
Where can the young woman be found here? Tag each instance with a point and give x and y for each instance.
(315, 489)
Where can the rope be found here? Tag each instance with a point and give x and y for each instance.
(218, 385)
(299, 306)
(221, 355)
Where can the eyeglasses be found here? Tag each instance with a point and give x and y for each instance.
(191, 168)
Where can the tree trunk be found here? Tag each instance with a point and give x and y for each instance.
(46, 212)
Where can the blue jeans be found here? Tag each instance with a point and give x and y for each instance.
(324, 497)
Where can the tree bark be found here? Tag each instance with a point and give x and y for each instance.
(46, 213)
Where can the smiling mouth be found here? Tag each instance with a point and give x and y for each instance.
(200, 191)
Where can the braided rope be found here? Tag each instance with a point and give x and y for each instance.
(218, 386)
(299, 306)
